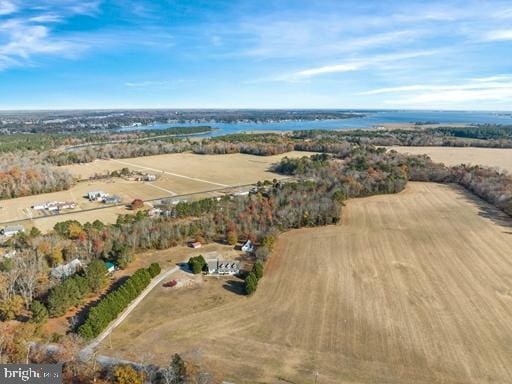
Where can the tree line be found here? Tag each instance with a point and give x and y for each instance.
(100, 316)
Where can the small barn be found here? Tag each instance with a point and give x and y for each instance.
(195, 244)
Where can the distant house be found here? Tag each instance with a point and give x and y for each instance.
(218, 266)
(53, 206)
(112, 199)
(96, 195)
(67, 205)
(248, 247)
(11, 230)
(39, 207)
(110, 267)
(65, 270)
(195, 244)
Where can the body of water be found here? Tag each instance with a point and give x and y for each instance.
(368, 120)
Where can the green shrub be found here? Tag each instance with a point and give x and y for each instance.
(197, 264)
(96, 274)
(251, 283)
(154, 269)
(39, 312)
(257, 269)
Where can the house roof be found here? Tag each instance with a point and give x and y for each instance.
(109, 264)
(65, 270)
(12, 228)
(212, 264)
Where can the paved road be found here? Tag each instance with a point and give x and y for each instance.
(88, 350)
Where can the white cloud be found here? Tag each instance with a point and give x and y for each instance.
(457, 97)
(23, 40)
(322, 38)
(46, 18)
(147, 83)
(355, 64)
(27, 31)
(7, 7)
(167, 84)
(498, 35)
(492, 89)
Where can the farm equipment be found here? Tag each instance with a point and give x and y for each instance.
(170, 284)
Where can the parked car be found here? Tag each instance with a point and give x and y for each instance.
(170, 284)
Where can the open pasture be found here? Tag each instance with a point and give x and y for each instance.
(205, 169)
(410, 288)
(491, 157)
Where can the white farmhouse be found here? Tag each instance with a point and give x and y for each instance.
(96, 195)
(248, 247)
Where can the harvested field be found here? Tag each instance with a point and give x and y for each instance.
(178, 174)
(411, 288)
(491, 157)
(224, 169)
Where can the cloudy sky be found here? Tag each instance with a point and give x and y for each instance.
(256, 54)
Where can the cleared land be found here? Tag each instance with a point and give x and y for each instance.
(225, 169)
(411, 288)
(181, 173)
(492, 157)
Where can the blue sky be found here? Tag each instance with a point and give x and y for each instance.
(255, 54)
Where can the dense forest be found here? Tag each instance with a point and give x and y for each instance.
(487, 136)
(37, 141)
(116, 151)
(483, 132)
(23, 176)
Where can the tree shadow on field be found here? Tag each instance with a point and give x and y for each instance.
(184, 267)
(485, 209)
(235, 286)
